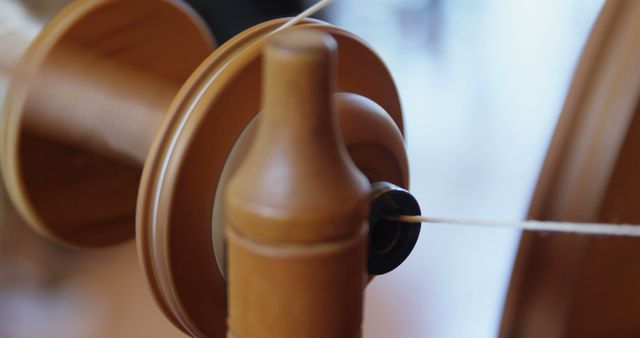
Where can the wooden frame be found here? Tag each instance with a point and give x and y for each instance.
(576, 286)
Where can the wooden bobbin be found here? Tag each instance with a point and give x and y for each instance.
(63, 188)
(75, 177)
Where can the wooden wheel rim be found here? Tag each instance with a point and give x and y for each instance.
(589, 175)
(175, 215)
(88, 225)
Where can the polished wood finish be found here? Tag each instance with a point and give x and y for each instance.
(81, 121)
(297, 206)
(71, 158)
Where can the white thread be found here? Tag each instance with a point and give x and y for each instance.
(627, 230)
(307, 13)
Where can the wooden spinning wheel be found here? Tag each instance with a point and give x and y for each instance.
(85, 170)
(74, 168)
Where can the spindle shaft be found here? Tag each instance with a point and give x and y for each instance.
(84, 99)
(297, 207)
(96, 104)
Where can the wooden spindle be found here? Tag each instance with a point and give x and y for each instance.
(97, 104)
(297, 207)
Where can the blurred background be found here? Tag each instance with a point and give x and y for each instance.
(482, 84)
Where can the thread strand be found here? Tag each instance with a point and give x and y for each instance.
(305, 14)
(627, 230)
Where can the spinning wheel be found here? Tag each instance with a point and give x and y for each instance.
(122, 112)
(73, 166)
